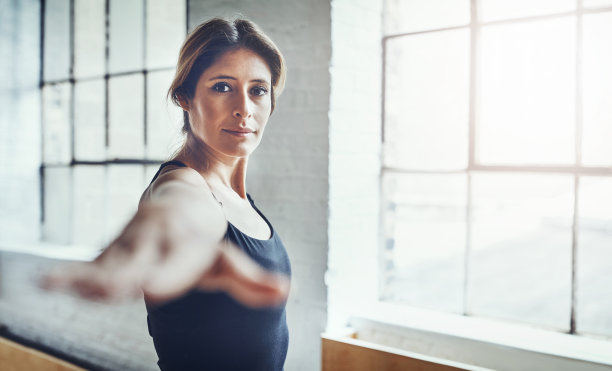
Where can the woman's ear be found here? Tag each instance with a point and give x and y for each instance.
(184, 103)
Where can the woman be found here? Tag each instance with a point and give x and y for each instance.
(197, 244)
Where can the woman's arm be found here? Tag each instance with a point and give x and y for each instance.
(174, 243)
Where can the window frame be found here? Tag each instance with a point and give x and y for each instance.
(473, 166)
(72, 80)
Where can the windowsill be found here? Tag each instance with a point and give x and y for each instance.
(54, 251)
(347, 338)
(399, 326)
(86, 333)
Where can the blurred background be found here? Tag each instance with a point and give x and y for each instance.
(451, 155)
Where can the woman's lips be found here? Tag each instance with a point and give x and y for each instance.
(239, 133)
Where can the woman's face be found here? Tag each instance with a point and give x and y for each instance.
(232, 103)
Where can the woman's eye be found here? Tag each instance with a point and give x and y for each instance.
(259, 91)
(221, 87)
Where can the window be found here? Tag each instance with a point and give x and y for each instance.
(107, 65)
(497, 165)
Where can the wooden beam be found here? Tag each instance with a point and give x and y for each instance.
(16, 357)
(346, 354)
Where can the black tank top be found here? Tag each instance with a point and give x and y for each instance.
(211, 331)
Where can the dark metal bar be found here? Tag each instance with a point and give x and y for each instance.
(574, 287)
(582, 170)
(468, 246)
(383, 90)
(41, 173)
(187, 9)
(43, 8)
(578, 148)
(474, 45)
(106, 76)
(506, 21)
(106, 69)
(106, 114)
(116, 161)
(71, 26)
(144, 35)
(72, 81)
(393, 36)
(145, 76)
(144, 72)
(582, 10)
(383, 241)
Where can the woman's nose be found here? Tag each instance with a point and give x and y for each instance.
(242, 106)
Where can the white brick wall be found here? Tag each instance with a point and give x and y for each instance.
(354, 156)
(19, 123)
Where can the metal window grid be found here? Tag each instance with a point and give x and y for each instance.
(107, 76)
(576, 170)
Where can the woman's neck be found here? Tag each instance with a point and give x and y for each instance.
(217, 170)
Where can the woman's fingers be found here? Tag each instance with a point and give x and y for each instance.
(116, 274)
(89, 281)
(92, 281)
(246, 281)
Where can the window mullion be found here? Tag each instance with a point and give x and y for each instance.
(41, 171)
(106, 70)
(578, 147)
(474, 34)
(72, 81)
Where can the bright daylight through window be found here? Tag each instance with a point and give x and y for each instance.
(106, 124)
(497, 174)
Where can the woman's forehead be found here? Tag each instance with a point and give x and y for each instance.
(240, 64)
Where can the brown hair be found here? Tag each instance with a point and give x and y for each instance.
(207, 42)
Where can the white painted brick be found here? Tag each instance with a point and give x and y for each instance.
(124, 187)
(20, 147)
(294, 145)
(56, 121)
(354, 163)
(89, 206)
(57, 227)
(89, 121)
(307, 285)
(292, 168)
(126, 116)
(305, 345)
(164, 119)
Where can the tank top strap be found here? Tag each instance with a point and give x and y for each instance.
(163, 165)
(216, 199)
(261, 214)
(182, 164)
(252, 202)
(213, 194)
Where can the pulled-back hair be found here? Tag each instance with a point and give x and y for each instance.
(211, 39)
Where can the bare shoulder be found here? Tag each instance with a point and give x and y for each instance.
(172, 176)
(184, 192)
(184, 175)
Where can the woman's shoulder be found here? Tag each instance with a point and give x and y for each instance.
(176, 174)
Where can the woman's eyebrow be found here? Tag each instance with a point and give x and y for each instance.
(222, 77)
(227, 77)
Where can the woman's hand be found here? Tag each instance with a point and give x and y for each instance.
(171, 246)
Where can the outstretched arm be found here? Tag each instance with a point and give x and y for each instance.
(173, 244)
